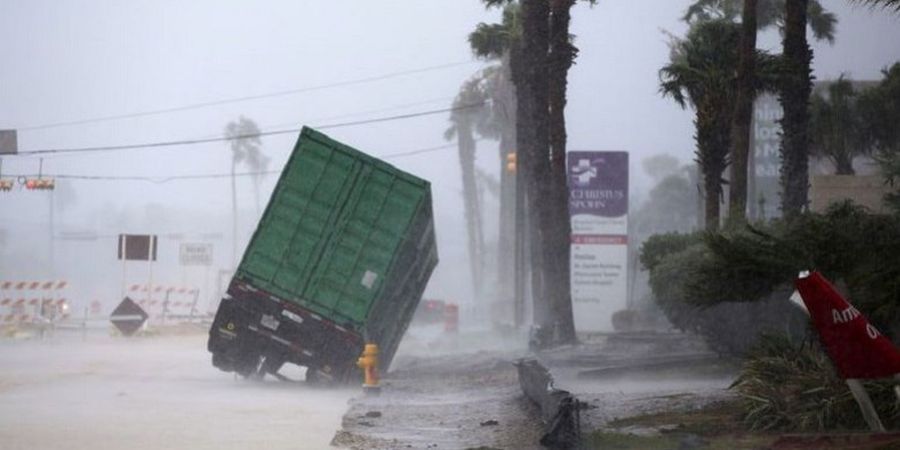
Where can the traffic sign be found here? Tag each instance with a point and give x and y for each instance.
(128, 317)
(195, 254)
(137, 247)
(8, 142)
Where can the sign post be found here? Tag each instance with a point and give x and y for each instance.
(598, 206)
(9, 142)
(137, 247)
(859, 351)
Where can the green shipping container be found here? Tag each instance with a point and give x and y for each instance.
(345, 237)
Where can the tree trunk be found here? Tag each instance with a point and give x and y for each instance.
(713, 133)
(466, 142)
(562, 54)
(844, 165)
(527, 235)
(507, 265)
(743, 114)
(796, 86)
(532, 132)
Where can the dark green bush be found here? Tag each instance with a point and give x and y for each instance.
(731, 286)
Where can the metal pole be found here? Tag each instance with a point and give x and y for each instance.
(897, 387)
(123, 241)
(194, 305)
(519, 278)
(52, 240)
(84, 325)
(165, 309)
(865, 405)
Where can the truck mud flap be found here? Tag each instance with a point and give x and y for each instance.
(231, 344)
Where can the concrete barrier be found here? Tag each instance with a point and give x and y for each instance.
(560, 410)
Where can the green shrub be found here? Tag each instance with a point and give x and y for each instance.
(786, 386)
(730, 328)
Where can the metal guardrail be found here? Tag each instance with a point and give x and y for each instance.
(560, 410)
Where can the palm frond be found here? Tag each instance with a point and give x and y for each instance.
(886, 4)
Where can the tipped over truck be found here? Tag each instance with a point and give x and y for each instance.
(340, 258)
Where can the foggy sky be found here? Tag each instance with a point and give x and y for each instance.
(71, 60)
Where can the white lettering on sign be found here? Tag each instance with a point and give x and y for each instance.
(871, 331)
(845, 315)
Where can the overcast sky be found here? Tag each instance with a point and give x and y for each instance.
(64, 61)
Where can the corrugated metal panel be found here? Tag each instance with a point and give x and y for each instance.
(330, 237)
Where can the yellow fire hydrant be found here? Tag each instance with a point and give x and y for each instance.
(368, 362)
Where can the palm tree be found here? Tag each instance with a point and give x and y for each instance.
(836, 127)
(701, 73)
(541, 54)
(794, 91)
(881, 3)
(464, 124)
(496, 42)
(243, 139)
(764, 14)
(769, 13)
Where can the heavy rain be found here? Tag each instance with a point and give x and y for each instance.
(453, 224)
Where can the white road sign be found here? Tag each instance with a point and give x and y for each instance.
(195, 254)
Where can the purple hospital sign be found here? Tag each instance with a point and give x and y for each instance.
(598, 183)
(598, 206)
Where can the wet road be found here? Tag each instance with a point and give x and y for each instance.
(149, 393)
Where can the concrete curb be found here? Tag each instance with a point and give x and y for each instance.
(560, 409)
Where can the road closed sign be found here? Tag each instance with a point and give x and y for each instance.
(195, 254)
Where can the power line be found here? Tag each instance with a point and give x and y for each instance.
(166, 179)
(246, 98)
(244, 136)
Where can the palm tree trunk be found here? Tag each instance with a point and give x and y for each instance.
(713, 120)
(743, 114)
(562, 54)
(466, 144)
(796, 87)
(532, 134)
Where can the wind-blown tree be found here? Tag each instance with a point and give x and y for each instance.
(888, 4)
(243, 139)
(539, 64)
(879, 108)
(495, 42)
(464, 124)
(836, 128)
(769, 13)
(754, 15)
(701, 74)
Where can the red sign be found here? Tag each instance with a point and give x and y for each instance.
(856, 347)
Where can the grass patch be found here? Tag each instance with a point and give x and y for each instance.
(716, 426)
